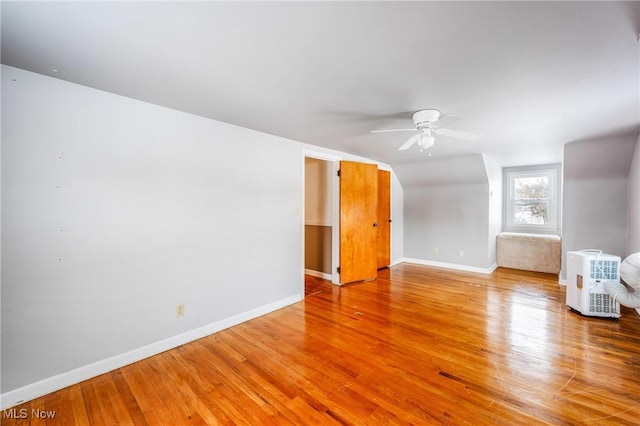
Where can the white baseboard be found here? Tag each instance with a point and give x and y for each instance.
(397, 262)
(562, 281)
(61, 381)
(451, 265)
(318, 274)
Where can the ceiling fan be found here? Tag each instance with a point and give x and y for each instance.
(424, 121)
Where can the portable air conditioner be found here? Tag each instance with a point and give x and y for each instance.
(587, 271)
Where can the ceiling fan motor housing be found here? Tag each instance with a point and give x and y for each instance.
(425, 117)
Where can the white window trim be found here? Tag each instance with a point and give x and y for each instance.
(510, 174)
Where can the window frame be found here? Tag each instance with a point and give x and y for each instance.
(510, 174)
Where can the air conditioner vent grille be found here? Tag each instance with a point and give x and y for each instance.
(602, 303)
(608, 267)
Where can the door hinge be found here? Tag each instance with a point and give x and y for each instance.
(338, 269)
(338, 172)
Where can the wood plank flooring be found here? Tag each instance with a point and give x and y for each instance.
(418, 345)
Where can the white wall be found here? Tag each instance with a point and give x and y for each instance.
(595, 192)
(449, 218)
(446, 206)
(494, 177)
(397, 219)
(634, 202)
(596, 215)
(114, 211)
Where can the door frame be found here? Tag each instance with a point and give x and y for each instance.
(388, 168)
(388, 224)
(334, 160)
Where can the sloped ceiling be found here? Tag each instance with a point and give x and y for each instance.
(527, 77)
(599, 159)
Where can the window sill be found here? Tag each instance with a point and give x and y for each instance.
(532, 230)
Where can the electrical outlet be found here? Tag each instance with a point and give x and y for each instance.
(435, 250)
(461, 253)
(180, 310)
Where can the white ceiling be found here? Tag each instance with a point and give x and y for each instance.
(527, 77)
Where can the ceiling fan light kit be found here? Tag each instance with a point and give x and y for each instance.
(426, 140)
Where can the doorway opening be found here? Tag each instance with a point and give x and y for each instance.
(321, 220)
(346, 219)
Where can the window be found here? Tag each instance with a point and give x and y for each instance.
(531, 199)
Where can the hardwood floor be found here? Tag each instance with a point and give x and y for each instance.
(418, 345)
(313, 285)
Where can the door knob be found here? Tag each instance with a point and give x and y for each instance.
(375, 225)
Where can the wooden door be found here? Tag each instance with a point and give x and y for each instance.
(384, 219)
(358, 215)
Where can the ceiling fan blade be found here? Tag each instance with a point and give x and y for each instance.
(456, 134)
(394, 130)
(410, 142)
